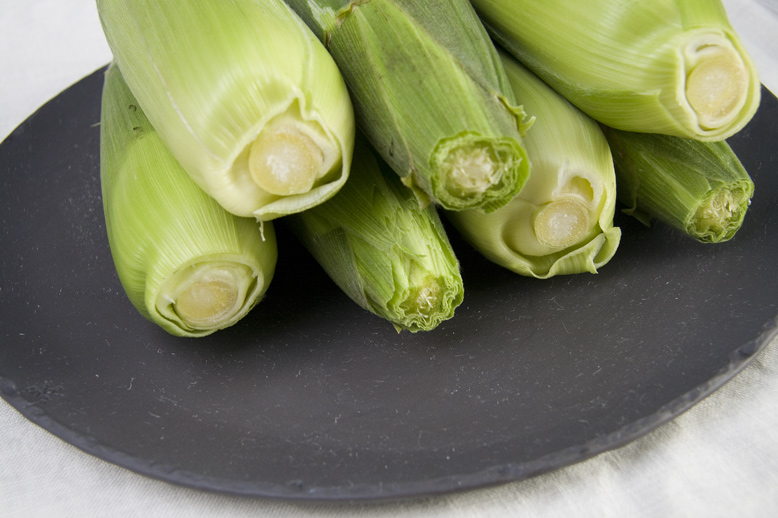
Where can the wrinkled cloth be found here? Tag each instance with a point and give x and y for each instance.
(718, 459)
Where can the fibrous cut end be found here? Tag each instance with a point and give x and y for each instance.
(423, 299)
(426, 304)
(478, 172)
(721, 214)
(427, 300)
(471, 171)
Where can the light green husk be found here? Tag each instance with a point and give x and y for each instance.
(386, 253)
(430, 94)
(242, 93)
(185, 263)
(562, 221)
(699, 188)
(674, 67)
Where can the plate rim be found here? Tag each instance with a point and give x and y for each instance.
(499, 474)
(495, 475)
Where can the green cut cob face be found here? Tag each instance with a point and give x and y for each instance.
(721, 213)
(185, 263)
(672, 67)
(242, 93)
(430, 94)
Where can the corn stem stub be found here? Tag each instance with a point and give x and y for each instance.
(184, 262)
(244, 96)
(674, 67)
(388, 254)
(430, 95)
(699, 188)
(562, 221)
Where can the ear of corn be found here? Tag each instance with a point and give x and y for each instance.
(242, 93)
(185, 263)
(430, 94)
(699, 188)
(562, 221)
(385, 252)
(666, 66)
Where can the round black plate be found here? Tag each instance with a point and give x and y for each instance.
(312, 398)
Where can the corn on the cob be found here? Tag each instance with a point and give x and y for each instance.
(699, 188)
(386, 253)
(185, 263)
(663, 66)
(242, 93)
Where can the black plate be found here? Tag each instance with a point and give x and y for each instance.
(311, 398)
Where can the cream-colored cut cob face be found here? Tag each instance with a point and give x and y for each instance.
(717, 81)
(562, 223)
(203, 295)
(571, 215)
(289, 157)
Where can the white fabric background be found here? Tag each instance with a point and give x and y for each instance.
(720, 459)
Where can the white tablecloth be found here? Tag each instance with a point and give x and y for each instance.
(719, 459)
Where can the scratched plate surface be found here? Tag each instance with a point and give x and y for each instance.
(311, 398)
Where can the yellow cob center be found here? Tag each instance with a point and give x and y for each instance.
(285, 161)
(292, 154)
(562, 222)
(206, 294)
(717, 84)
(206, 301)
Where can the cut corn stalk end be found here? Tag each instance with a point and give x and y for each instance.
(721, 214)
(477, 172)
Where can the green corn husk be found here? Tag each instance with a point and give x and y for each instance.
(562, 221)
(185, 263)
(388, 254)
(242, 93)
(430, 94)
(699, 188)
(675, 67)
